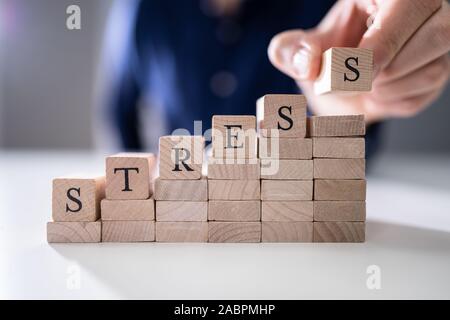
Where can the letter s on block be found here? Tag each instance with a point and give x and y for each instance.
(352, 68)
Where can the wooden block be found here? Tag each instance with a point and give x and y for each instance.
(234, 210)
(273, 169)
(128, 231)
(181, 157)
(285, 148)
(77, 198)
(339, 148)
(285, 113)
(128, 210)
(129, 176)
(287, 211)
(182, 232)
(287, 231)
(345, 69)
(234, 137)
(173, 211)
(339, 211)
(339, 231)
(234, 189)
(74, 232)
(181, 190)
(353, 190)
(336, 126)
(286, 190)
(339, 168)
(234, 232)
(219, 169)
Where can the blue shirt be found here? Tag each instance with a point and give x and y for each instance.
(198, 65)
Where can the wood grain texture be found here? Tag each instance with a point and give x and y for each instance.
(77, 198)
(181, 157)
(339, 168)
(287, 231)
(181, 190)
(273, 169)
(234, 210)
(288, 148)
(336, 126)
(339, 148)
(277, 108)
(286, 190)
(233, 170)
(234, 232)
(174, 211)
(336, 74)
(234, 143)
(140, 176)
(234, 189)
(181, 231)
(340, 211)
(287, 211)
(353, 190)
(128, 231)
(74, 232)
(339, 231)
(134, 210)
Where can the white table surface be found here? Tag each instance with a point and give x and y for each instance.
(408, 237)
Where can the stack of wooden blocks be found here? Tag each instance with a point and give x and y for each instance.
(301, 180)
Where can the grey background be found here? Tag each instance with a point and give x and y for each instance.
(48, 83)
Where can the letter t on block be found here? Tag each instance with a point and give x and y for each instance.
(129, 176)
(285, 113)
(181, 157)
(345, 69)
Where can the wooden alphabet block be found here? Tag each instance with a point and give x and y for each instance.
(353, 190)
(129, 176)
(219, 169)
(234, 210)
(339, 148)
(286, 190)
(128, 231)
(273, 169)
(339, 169)
(174, 211)
(128, 210)
(287, 211)
(285, 148)
(77, 198)
(234, 137)
(234, 232)
(287, 231)
(345, 69)
(348, 211)
(339, 231)
(285, 113)
(74, 232)
(336, 126)
(181, 157)
(181, 231)
(234, 189)
(181, 190)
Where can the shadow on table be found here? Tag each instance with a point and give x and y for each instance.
(119, 265)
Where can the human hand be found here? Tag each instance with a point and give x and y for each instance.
(410, 40)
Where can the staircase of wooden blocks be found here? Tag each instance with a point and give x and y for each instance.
(277, 177)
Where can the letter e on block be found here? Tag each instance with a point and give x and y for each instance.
(77, 199)
(285, 113)
(129, 176)
(345, 69)
(181, 157)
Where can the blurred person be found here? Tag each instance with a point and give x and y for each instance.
(201, 58)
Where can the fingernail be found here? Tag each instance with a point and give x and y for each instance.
(302, 63)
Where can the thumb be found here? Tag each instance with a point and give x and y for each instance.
(297, 53)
